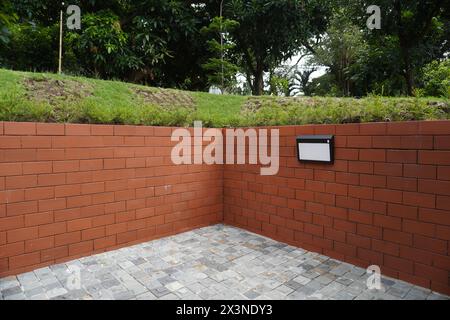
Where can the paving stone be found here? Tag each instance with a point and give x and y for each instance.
(217, 262)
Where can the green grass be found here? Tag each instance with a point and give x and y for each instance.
(114, 102)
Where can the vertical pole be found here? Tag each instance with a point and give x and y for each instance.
(221, 44)
(60, 41)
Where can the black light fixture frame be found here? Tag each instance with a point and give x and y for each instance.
(325, 139)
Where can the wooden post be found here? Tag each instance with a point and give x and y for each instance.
(60, 41)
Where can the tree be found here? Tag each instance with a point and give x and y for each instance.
(412, 34)
(7, 18)
(271, 31)
(221, 71)
(340, 49)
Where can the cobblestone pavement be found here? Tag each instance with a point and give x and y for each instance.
(218, 262)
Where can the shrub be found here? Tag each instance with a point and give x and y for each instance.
(437, 79)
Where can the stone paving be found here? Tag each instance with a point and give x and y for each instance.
(218, 262)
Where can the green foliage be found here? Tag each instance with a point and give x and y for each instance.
(221, 71)
(30, 43)
(271, 31)
(115, 103)
(436, 76)
(102, 43)
(7, 18)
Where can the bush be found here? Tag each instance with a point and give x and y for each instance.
(436, 76)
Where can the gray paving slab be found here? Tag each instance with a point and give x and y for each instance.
(217, 262)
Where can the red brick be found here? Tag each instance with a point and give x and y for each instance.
(398, 264)
(346, 154)
(360, 192)
(373, 206)
(401, 211)
(50, 129)
(36, 142)
(21, 182)
(345, 225)
(417, 142)
(434, 157)
(433, 186)
(359, 142)
(24, 260)
(347, 178)
(420, 171)
(331, 233)
(313, 229)
(66, 166)
(419, 199)
(387, 195)
(443, 202)
(81, 248)
(443, 232)
(54, 253)
(39, 244)
(11, 196)
(432, 273)
(19, 128)
(358, 241)
(51, 179)
(127, 237)
(426, 229)
(434, 216)
(397, 237)
(402, 156)
(347, 202)
(78, 129)
(12, 249)
(67, 238)
(360, 217)
(430, 244)
(52, 229)
(373, 128)
(10, 223)
(434, 127)
(104, 242)
(9, 142)
(50, 154)
(10, 169)
(443, 173)
(102, 130)
(386, 142)
(376, 155)
(386, 247)
(37, 219)
(79, 224)
(399, 183)
(20, 208)
(372, 180)
(388, 169)
(37, 167)
(93, 233)
(91, 165)
(389, 222)
(402, 128)
(442, 142)
(337, 188)
(360, 167)
(52, 204)
(22, 234)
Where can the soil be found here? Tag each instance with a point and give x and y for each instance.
(54, 91)
(165, 98)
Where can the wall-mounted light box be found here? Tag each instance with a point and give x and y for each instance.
(316, 149)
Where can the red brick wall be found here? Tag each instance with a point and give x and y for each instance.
(385, 201)
(73, 190)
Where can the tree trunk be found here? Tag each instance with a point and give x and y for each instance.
(258, 86)
(408, 74)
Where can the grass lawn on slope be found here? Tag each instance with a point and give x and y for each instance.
(47, 97)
